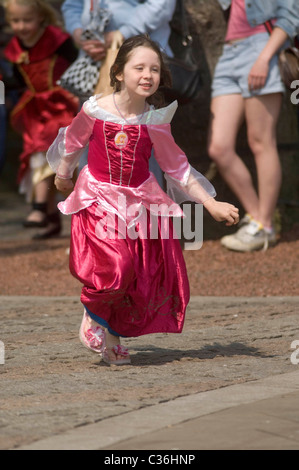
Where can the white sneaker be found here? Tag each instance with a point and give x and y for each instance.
(246, 219)
(249, 237)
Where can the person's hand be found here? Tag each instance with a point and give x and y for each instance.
(95, 49)
(63, 185)
(258, 74)
(222, 211)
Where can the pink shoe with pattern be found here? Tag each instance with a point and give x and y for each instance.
(92, 337)
(117, 350)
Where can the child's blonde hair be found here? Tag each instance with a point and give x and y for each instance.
(45, 10)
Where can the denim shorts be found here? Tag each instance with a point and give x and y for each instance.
(232, 70)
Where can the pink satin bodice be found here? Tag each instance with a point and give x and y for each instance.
(119, 154)
(118, 163)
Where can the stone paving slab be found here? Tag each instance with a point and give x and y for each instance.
(258, 415)
(252, 423)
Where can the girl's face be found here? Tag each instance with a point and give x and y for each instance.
(25, 22)
(141, 73)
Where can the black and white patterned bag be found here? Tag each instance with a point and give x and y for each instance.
(82, 76)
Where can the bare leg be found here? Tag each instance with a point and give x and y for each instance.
(227, 114)
(43, 194)
(46, 189)
(52, 203)
(262, 115)
(111, 341)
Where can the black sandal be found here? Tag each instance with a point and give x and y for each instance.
(54, 227)
(41, 207)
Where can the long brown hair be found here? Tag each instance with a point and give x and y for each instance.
(157, 99)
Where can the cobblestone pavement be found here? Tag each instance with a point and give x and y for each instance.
(50, 384)
(54, 393)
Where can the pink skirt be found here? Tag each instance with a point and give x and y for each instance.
(136, 284)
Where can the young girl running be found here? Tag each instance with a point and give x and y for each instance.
(40, 52)
(133, 284)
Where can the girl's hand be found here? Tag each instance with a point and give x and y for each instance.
(63, 185)
(258, 74)
(260, 69)
(222, 211)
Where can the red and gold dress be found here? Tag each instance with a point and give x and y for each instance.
(123, 247)
(44, 107)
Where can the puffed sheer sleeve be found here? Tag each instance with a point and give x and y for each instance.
(65, 152)
(184, 183)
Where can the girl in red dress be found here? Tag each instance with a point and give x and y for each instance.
(134, 278)
(40, 52)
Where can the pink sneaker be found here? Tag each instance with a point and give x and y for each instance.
(92, 337)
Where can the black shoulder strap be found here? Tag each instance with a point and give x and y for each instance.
(179, 21)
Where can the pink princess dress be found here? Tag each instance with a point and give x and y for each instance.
(123, 247)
